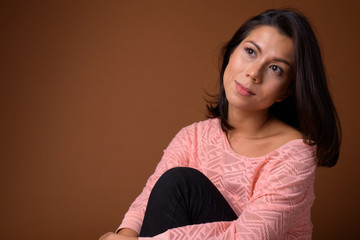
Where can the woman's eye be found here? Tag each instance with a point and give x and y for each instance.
(250, 51)
(276, 69)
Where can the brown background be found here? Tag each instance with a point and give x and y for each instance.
(92, 92)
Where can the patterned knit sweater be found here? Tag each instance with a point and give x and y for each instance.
(272, 195)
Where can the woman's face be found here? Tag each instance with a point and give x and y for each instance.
(259, 70)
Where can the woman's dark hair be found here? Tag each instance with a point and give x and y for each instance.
(309, 107)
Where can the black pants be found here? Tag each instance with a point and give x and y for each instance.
(183, 196)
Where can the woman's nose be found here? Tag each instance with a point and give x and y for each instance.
(254, 72)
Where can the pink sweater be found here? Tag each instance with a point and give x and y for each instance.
(272, 194)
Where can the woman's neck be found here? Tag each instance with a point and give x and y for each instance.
(258, 133)
(249, 124)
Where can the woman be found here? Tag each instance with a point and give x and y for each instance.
(248, 171)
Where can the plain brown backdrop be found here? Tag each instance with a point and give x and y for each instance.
(92, 92)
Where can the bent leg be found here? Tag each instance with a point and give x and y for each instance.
(183, 196)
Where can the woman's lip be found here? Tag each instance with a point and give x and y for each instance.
(243, 90)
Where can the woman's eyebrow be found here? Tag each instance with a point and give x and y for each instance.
(283, 61)
(255, 44)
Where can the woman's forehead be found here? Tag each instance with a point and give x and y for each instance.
(269, 41)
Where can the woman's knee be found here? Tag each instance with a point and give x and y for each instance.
(178, 177)
(180, 173)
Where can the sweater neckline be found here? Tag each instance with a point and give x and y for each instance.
(229, 149)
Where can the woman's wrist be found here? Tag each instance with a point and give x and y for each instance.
(128, 232)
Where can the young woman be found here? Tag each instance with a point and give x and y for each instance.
(248, 171)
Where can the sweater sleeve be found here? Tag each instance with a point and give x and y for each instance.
(175, 155)
(282, 197)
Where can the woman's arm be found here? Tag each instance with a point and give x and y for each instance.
(114, 236)
(128, 232)
(123, 234)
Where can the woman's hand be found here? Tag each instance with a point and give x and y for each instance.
(114, 236)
